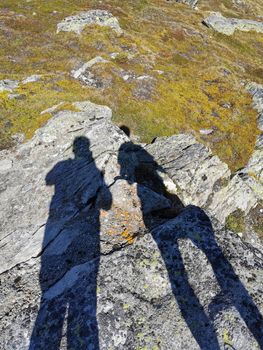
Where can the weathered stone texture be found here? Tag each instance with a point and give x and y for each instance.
(228, 25)
(77, 23)
(107, 244)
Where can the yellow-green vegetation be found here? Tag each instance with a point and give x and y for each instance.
(226, 338)
(236, 221)
(196, 72)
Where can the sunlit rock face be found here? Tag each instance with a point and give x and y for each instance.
(107, 244)
(78, 22)
(192, 3)
(228, 26)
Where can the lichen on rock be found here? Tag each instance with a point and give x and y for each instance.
(129, 238)
(228, 25)
(77, 23)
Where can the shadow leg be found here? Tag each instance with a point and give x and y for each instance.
(47, 332)
(235, 291)
(192, 311)
(82, 326)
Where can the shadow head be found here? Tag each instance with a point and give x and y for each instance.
(81, 147)
(126, 130)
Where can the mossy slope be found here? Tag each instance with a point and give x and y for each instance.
(197, 74)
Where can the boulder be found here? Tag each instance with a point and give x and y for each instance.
(228, 26)
(77, 23)
(107, 244)
(85, 75)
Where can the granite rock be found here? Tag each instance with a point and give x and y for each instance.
(8, 85)
(77, 23)
(228, 26)
(107, 244)
(86, 76)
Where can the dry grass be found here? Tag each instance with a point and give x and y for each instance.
(188, 96)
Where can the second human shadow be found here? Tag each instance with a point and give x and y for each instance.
(197, 227)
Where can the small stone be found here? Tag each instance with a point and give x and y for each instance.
(8, 85)
(144, 77)
(52, 109)
(114, 55)
(226, 72)
(86, 66)
(126, 77)
(31, 79)
(16, 96)
(206, 131)
(158, 71)
(227, 105)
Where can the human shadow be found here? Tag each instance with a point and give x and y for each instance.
(188, 223)
(71, 254)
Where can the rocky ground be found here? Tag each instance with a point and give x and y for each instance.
(115, 245)
(136, 226)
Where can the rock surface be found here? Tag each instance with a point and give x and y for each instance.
(8, 85)
(32, 79)
(110, 245)
(86, 76)
(192, 3)
(201, 178)
(228, 25)
(78, 22)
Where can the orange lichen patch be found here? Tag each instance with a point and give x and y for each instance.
(121, 224)
(128, 236)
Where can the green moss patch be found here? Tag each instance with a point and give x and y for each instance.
(236, 221)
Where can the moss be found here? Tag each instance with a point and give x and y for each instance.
(24, 115)
(236, 221)
(126, 306)
(226, 338)
(186, 96)
(67, 107)
(122, 58)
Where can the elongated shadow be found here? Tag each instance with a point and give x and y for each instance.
(197, 227)
(71, 255)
